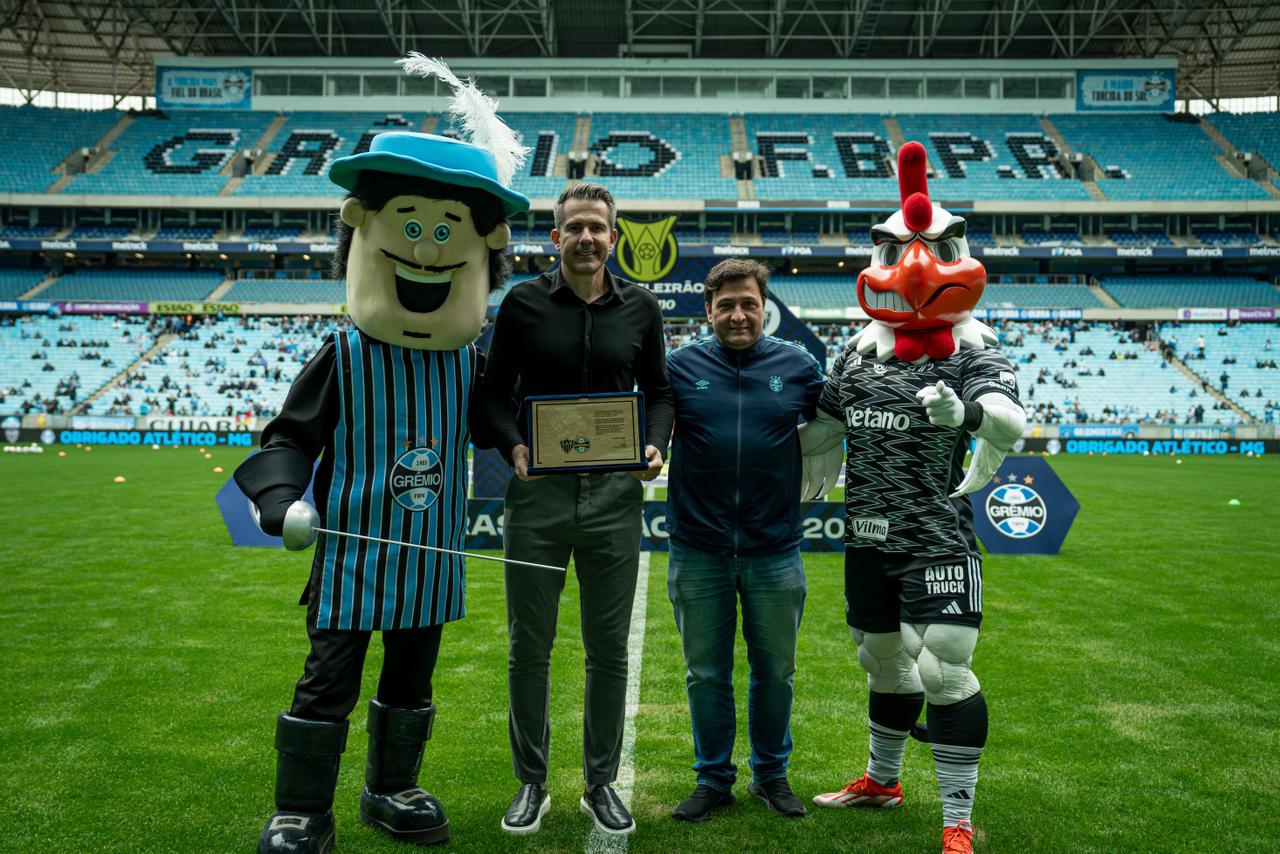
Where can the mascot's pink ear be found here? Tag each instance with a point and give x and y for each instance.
(913, 185)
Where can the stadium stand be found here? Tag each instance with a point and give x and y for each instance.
(133, 284)
(220, 368)
(820, 156)
(177, 232)
(1141, 237)
(1156, 290)
(287, 290)
(36, 140)
(991, 157)
(171, 153)
(1239, 360)
(49, 364)
(300, 153)
(31, 232)
(1078, 372)
(1231, 237)
(1162, 159)
(662, 155)
(547, 135)
(1254, 132)
(1040, 237)
(1034, 295)
(15, 282)
(101, 232)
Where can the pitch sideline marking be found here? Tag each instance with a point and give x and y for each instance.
(597, 841)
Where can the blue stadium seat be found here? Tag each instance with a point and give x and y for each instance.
(133, 284)
(1156, 290)
(1161, 159)
(1247, 344)
(15, 281)
(36, 140)
(287, 290)
(179, 152)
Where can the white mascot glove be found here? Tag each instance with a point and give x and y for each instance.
(942, 405)
(984, 463)
(821, 453)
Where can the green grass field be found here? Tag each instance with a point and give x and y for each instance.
(1132, 680)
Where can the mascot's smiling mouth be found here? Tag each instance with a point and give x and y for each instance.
(422, 289)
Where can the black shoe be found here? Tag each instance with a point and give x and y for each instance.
(606, 810)
(778, 796)
(524, 816)
(702, 803)
(298, 833)
(392, 800)
(308, 756)
(414, 815)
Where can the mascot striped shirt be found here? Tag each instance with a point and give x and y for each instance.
(398, 463)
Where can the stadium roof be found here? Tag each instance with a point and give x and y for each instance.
(1225, 48)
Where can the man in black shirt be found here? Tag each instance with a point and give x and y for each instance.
(576, 329)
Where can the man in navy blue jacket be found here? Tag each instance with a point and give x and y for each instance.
(733, 516)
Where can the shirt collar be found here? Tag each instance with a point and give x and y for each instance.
(612, 289)
(745, 355)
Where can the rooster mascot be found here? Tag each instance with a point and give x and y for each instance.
(914, 385)
(383, 406)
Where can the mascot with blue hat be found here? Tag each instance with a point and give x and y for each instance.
(383, 407)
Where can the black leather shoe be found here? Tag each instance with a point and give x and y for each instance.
(298, 833)
(524, 816)
(702, 803)
(603, 806)
(414, 815)
(778, 796)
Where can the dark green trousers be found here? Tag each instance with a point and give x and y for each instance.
(596, 520)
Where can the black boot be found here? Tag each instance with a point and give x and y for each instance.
(392, 799)
(308, 754)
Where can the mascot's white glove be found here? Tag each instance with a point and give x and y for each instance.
(1002, 422)
(984, 463)
(942, 405)
(821, 453)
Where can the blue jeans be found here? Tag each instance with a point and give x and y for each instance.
(704, 588)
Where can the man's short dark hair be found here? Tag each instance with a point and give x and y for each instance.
(733, 269)
(374, 189)
(589, 192)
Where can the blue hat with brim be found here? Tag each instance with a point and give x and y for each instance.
(437, 158)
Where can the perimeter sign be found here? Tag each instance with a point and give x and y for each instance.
(1025, 509)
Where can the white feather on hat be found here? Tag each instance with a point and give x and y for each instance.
(476, 113)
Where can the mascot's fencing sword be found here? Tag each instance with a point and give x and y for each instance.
(302, 523)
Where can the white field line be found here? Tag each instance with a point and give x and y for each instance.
(598, 842)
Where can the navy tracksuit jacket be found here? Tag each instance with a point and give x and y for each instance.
(735, 457)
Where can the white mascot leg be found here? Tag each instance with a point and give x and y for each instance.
(944, 653)
(891, 668)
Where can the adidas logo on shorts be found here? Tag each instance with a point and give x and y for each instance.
(953, 608)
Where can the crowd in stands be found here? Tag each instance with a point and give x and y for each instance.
(222, 367)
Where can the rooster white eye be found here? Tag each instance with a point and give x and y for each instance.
(889, 254)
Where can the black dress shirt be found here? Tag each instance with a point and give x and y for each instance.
(548, 341)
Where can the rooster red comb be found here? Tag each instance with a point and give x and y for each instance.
(913, 184)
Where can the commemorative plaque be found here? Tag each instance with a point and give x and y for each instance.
(570, 434)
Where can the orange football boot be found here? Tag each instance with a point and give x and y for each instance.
(958, 839)
(863, 792)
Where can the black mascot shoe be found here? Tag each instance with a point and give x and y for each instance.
(297, 833)
(392, 800)
(414, 815)
(308, 756)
